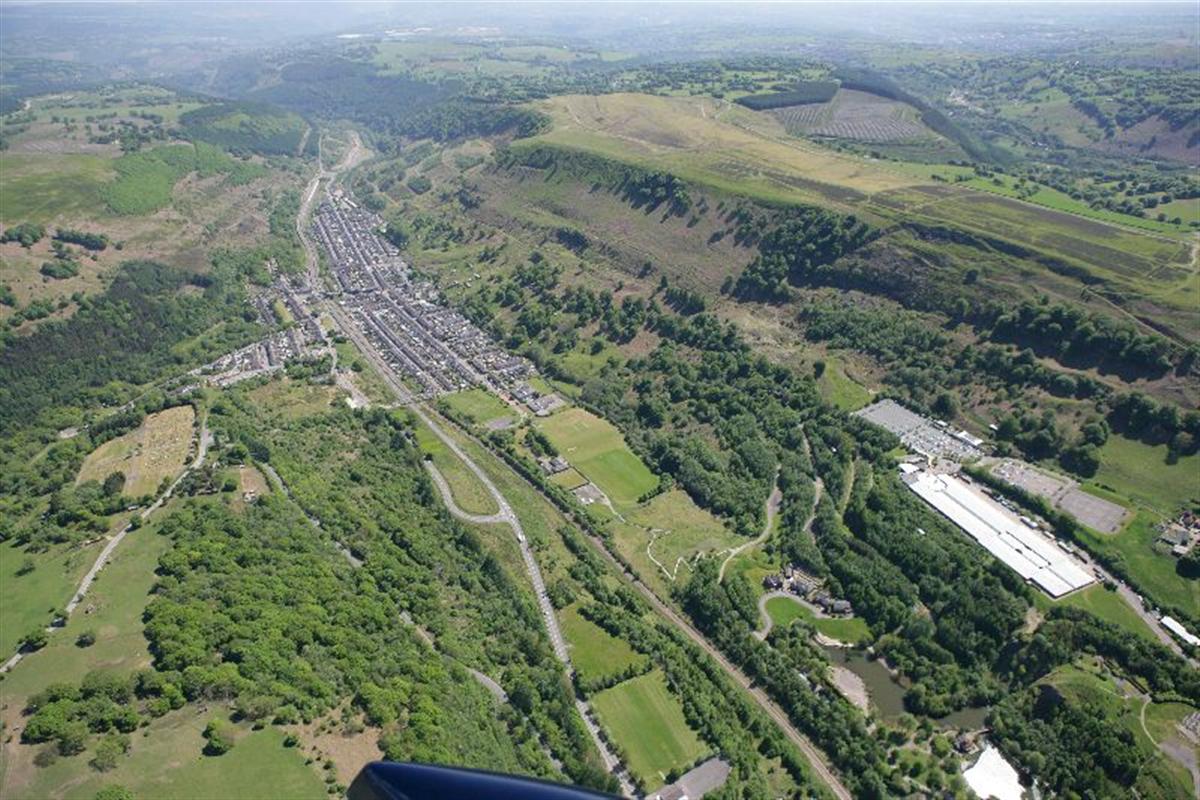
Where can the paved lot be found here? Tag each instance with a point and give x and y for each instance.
(1063, 493)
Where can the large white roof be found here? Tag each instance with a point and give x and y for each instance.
(992, 776)
(1031, 554)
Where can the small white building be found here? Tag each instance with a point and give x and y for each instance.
(1176, 627)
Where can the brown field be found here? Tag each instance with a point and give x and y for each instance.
(855, 115)
(157, 449)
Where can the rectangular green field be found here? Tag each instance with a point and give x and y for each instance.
(479, 404)
(595, 652)
(643, 717)
(597, 449)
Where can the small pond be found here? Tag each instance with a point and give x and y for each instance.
(887, 694)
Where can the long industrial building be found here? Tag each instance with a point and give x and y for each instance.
(1030, 553)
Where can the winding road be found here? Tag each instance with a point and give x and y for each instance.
(816, 759)
(773, 501)
(504, 515)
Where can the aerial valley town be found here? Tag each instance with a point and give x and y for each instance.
(567, 401)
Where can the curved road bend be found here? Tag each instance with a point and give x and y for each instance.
(504, 515)
(814, 756)
(772, 506)
(816, 759)
(507, 516)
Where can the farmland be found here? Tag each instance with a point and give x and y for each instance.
(855, 115)
(597, 449)
(147, 456)
(642, 714)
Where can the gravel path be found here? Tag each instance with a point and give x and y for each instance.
(101, 560)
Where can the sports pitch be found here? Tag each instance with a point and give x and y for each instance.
(597, 449)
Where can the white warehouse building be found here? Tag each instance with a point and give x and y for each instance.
(1030, 553)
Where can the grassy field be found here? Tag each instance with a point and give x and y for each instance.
(165, 763)
(479, 404)
(48, 188)
(155, 451)
(785, 610)
(1152, 572)
(112, 610)
(840, 389)
(595, 653)
(684, 529)
(597, 449)
(714, 143)
(570, 478)
(1109, 607)
(26, 600)
(1141, 472)
(294, 399)
(648, 723)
